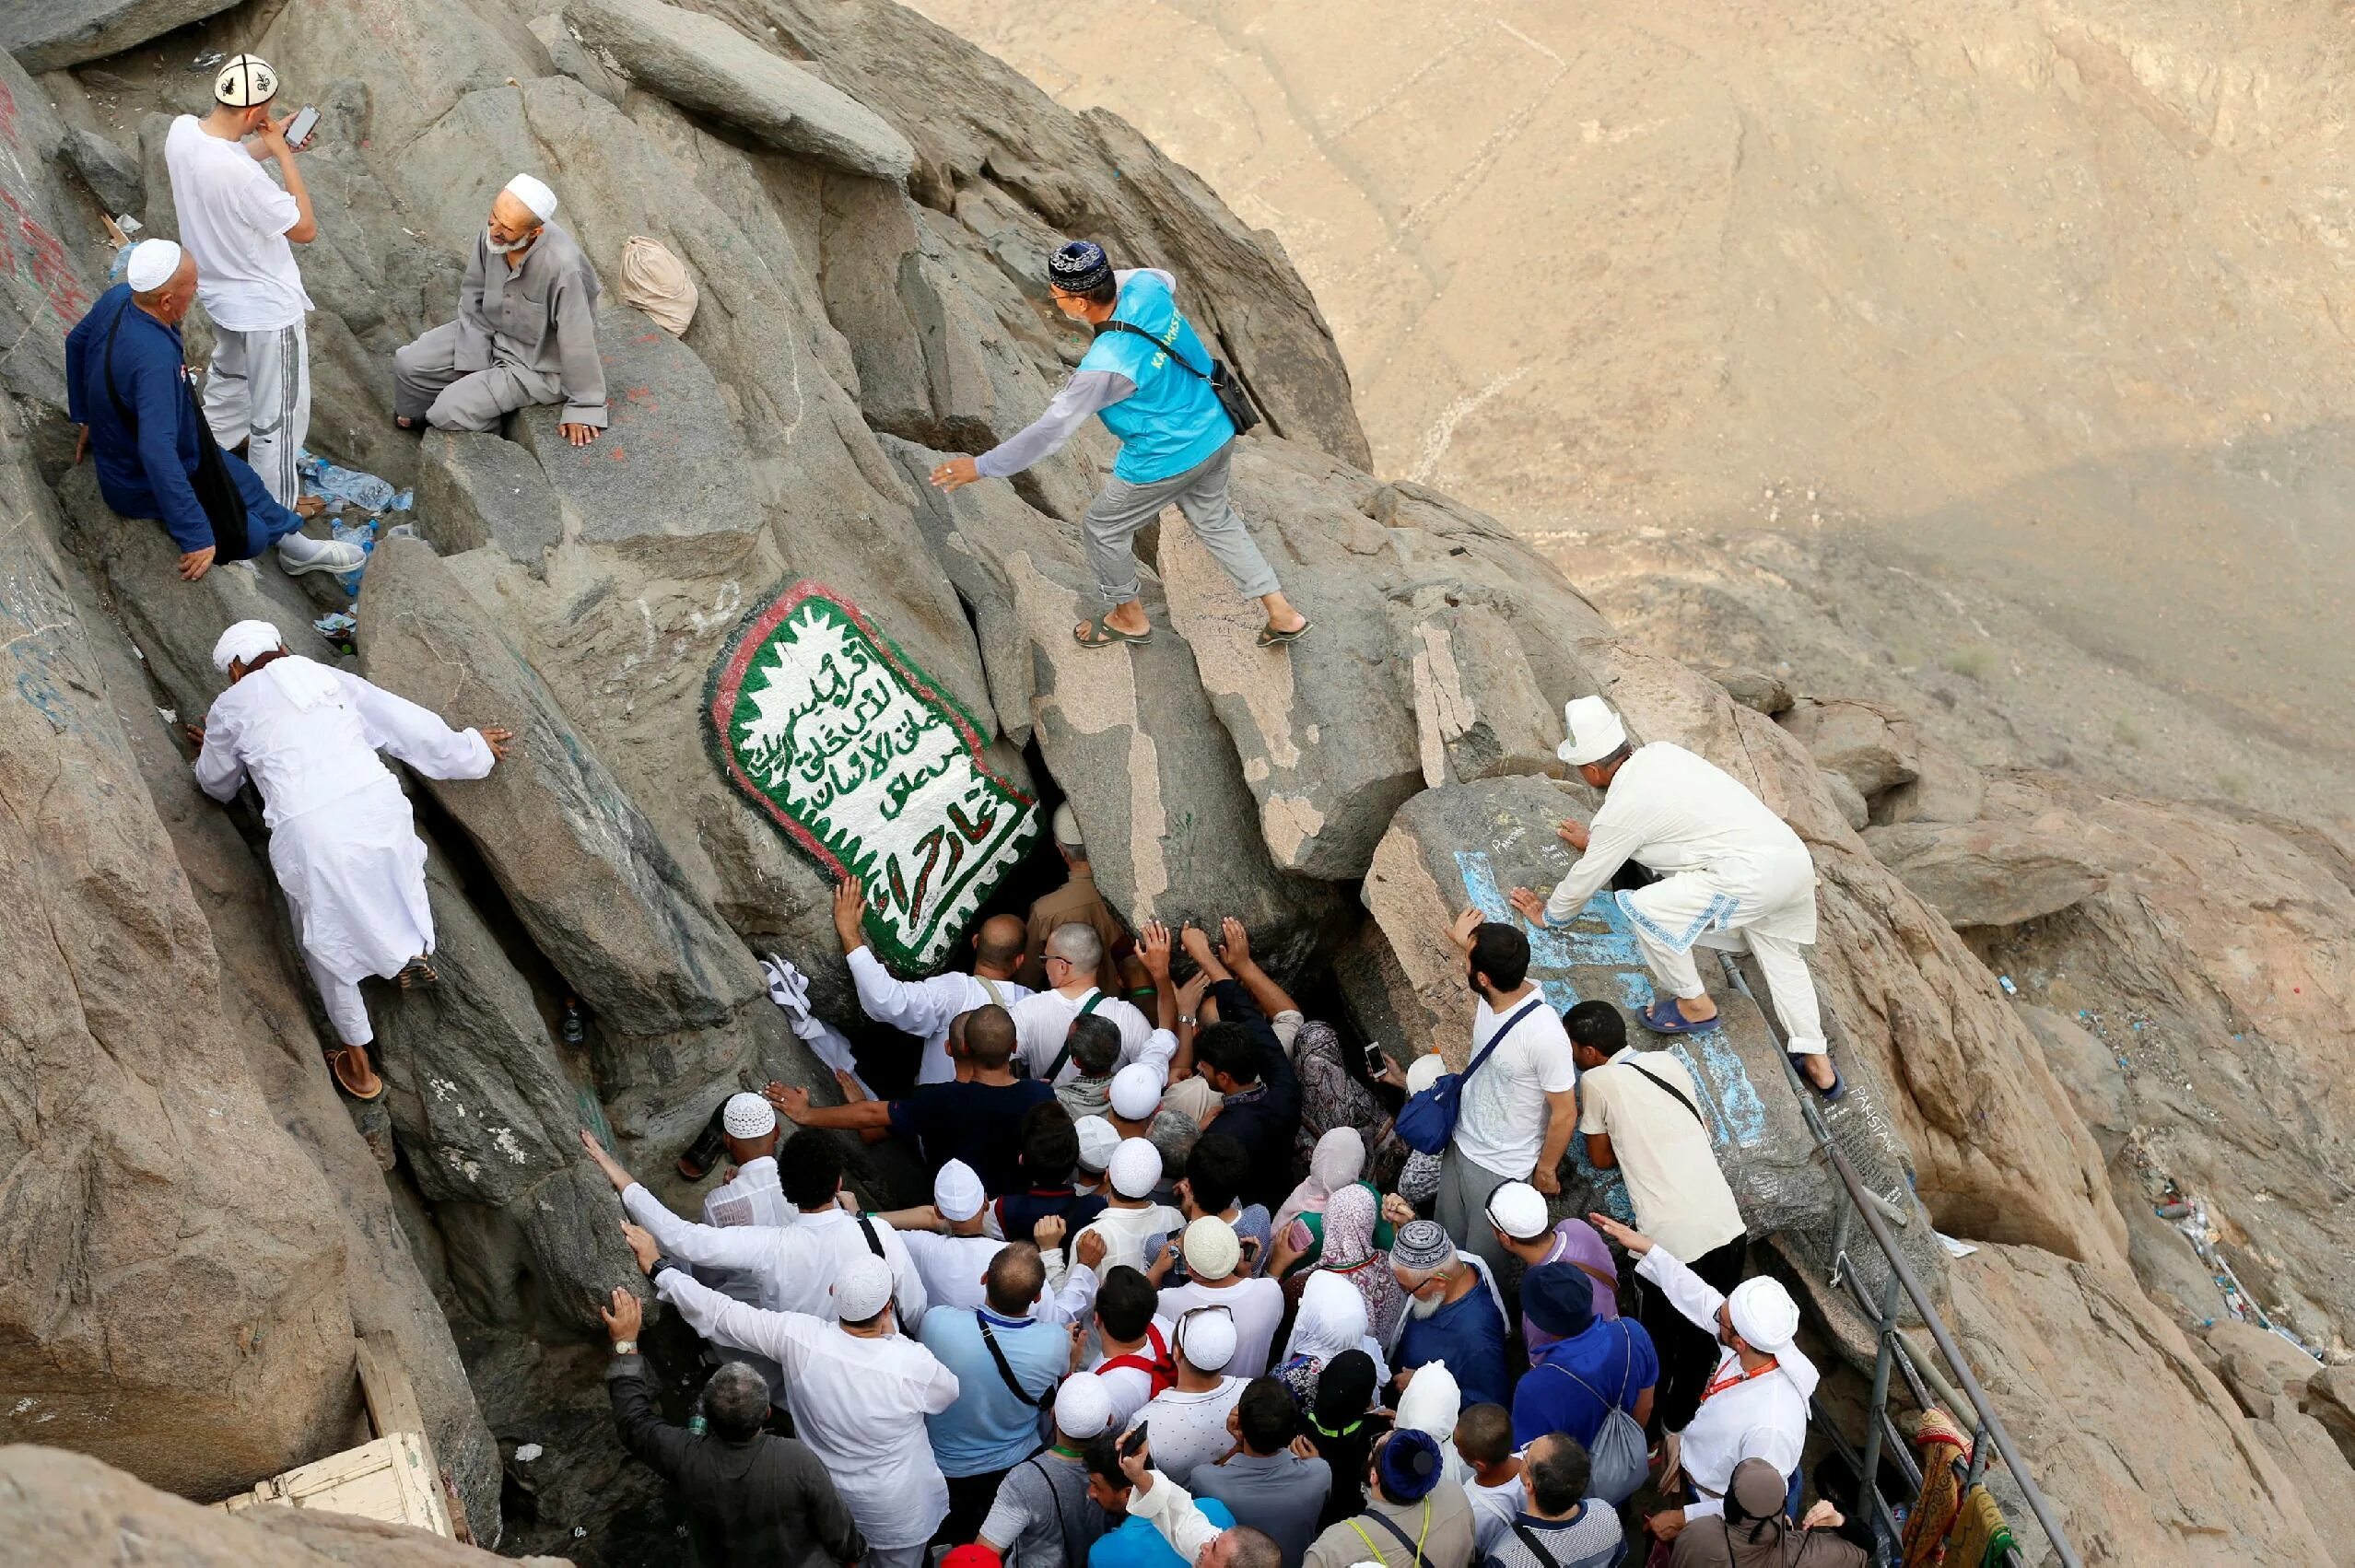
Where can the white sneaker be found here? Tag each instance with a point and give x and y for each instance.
(298, 553)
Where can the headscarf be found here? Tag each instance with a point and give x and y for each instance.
(1431, 1402)
(1331, 1098)
(1338, 1160)
(1350, 1252)
(1332, 1319)
(1344, 1392)
(1343, 1427)
(1765, 1315)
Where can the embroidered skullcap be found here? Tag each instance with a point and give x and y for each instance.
(1079, 266)
(956, 1192)
(245, 81)
(533, 193)
(1763, 1313)
(1595, 732)
(748, 1115)
(1425, 1071)
(1135, 1167)
(1136, 1091)
(1082, 1406)
(1409, 1465)
(1206, 1337)
(862, 1289)
(1558, 1298)
(1213, 1251)
(245, 642)
(1518, 1210)
(151, 265)
(1422, 1246)
(1097, 1140)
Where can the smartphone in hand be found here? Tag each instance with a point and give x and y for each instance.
(1373, 1059)
(304, 126)
(1133, 1445)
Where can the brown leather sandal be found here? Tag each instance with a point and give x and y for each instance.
(353, 1074)
(417, 971)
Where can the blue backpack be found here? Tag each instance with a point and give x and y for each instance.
(1427, 1121)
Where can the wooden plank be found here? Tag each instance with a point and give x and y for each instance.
(384, 1384)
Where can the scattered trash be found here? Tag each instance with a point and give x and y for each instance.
(1954, 1248)
(335, 483)
(2009, 989)
(206, 60)
(167, 715)
(337, 628)
(2188, 1214)
(575, 1028)
(580, 1532)
(128, 225)
(696, 1425)
(527, 1452)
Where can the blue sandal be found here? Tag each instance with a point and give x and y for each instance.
(1662, 1018)
(1839, 1084)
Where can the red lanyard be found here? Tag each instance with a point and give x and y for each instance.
(1720, 1384)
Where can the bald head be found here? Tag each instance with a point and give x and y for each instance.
(1016, 1275)
(1241, 1547)
(168, 302)
(998, 945)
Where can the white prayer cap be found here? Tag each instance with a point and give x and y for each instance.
(863, 1289)
(956, 1192)
(1135, 1167)
(1206, 1337)
(1595, 732)
(1098, 1139)
(1136, 1091)
(1067, 832)
(1763, 1313)
(151, 265)
(245, 642)
(533, 193)
(748, 1115)
(1082, 1406)
(1424, 1071)
(1213, 1251)
(1518, 1210)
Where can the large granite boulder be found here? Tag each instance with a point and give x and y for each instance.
(700, 63)
(48, 35)
(1984, 873)
(1871, 747)
(43, 290)
(476, 489)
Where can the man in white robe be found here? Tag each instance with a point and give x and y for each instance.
(343, 843)
(1732, 875)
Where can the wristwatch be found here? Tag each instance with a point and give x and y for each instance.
(624, 1347)
(1187, 1019)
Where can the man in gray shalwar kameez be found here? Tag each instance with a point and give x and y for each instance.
(526, 331)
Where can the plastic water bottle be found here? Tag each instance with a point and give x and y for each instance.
(366, 491)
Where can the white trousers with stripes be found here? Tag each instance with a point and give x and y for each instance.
(258, 392)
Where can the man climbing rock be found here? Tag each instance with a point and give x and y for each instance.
(526, 331)
(126, 386)
(1147, 376)
(1732, 875)
(343, 844)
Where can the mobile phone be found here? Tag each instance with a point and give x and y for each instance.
(1133, 1445)
(298, 132)
(1373, 1059)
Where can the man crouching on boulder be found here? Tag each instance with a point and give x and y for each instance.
(1148, 378)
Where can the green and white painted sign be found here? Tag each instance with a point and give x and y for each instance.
(868, 767)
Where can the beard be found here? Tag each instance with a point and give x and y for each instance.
(1418, 1306)
(509, 247)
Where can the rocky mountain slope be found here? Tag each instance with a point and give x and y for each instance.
(197, 1227)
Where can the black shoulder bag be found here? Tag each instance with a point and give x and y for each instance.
(1223, 384)
(1675, 1094)
(1005, 1368)
(216, 491)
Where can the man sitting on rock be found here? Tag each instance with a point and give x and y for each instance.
(1148, 378)
(126, 386)
(343, 843)
(1732, 875)
(526, 331)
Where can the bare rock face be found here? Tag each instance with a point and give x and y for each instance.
(1990, 873)
(1872, 748)
(48, 35)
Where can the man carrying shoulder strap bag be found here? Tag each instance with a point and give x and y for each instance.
(1006, 1362)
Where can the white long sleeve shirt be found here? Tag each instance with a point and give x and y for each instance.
(1170, 1509)
(1671, 811)
(953, 1267)
(858, 1403)
(1761, 1417)
(754, 1198)
(926, 1008)
(796, 1264)
(1043, 1026)
(308, 735)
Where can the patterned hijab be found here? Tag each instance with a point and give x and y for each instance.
(1351, 1253)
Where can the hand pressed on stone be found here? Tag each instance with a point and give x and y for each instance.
(850, 913)
(642, 1245)
(624, 1317)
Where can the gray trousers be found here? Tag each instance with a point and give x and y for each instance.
(1462, 1207)
(1112, 520)
(425, 380)
(257, 395)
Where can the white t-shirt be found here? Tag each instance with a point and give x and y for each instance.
(1256, 1306)
(1186, 1430)
(1131, 1233)
(1680, 1197)
(1043, 1026)
(233, 220)
(1493, 1510)
(1501, 1125)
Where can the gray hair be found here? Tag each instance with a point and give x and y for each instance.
(1078, 942)
(736, 1401)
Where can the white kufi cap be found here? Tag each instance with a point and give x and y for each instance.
(1763, 1313)
(1098, 1140)
(151, 265)
(956, 1192)
(1136, 1091)
(1595, 732)
(1067, 828)
(1082, 1406)
(533, 193)
(1213, 1249)
(1206, 1337)
(1135, 1167)
(245, 642)
(1518, 1210)
(748, 1115)
(862, 1289)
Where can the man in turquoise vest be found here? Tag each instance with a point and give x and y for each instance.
(1146, 376)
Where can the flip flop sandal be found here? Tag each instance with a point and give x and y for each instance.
(1839, 1084)
(1271, 637)
(416, 428)
(1662, 1018)
(1101, 633)
(340, 1064)
(417, 971)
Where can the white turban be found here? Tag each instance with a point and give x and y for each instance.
(1135, 1167)
(1595, 732)
(1136, 1091)
(247, 640)
(863, 1289)
(1098, 1141)
(956, 1192)
(533, 193)
(151, 266)
(748, 1116)
(1082, 1406)
(1763, 1313)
